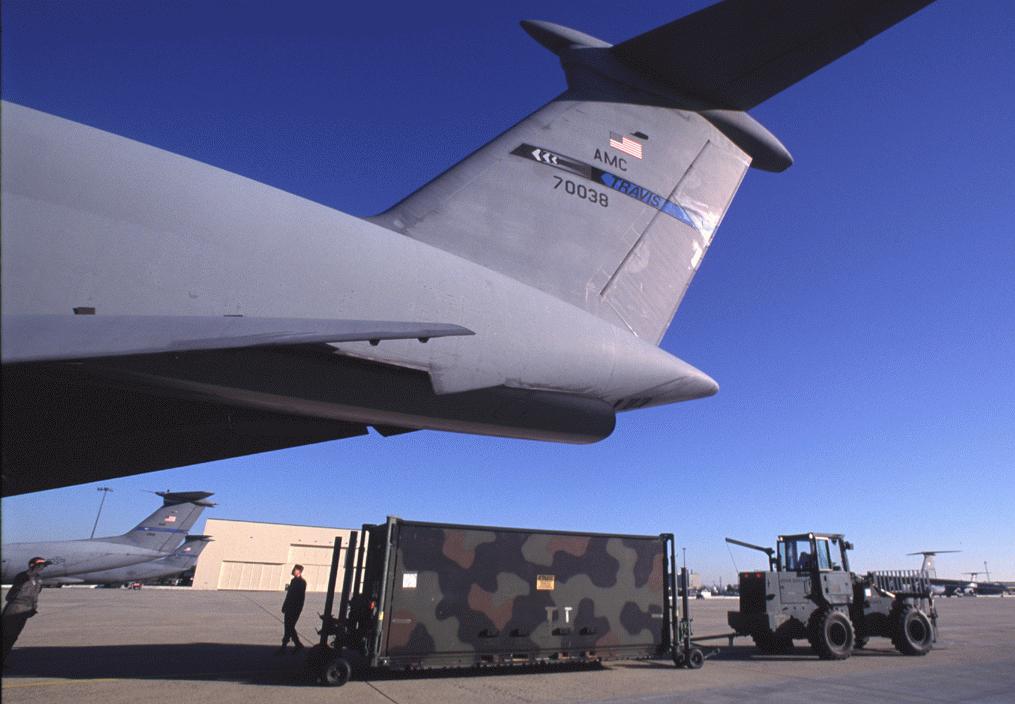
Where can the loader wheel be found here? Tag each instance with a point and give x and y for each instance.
(914, 634)
(695, 659)
(831, 635)
(860, 636)
(312, 665)
(771, 644)
(336, 672)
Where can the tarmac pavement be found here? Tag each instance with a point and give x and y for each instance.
(118, 646)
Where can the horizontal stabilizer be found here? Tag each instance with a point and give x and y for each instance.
(35, 338)
(738, 53)
(172, 498)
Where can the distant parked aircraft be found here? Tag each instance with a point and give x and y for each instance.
(153, 538)
(184, 558)
(957, 587)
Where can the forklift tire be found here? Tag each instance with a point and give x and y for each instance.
(914, 634)
(695, 659)
(312, 664)
(860, 636)
(336, 672)
(830, 633)
(679, 659)
(771, 644)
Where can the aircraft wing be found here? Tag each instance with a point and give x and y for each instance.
(739, 53)
(133, 427)
(130, 429)
(35, 338)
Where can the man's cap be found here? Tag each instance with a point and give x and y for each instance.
(38, 561)
(298, 567)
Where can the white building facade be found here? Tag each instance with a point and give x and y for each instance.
(253, 556)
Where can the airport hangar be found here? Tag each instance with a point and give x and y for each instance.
(255, 556)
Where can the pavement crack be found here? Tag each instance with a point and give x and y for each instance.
(373, 687)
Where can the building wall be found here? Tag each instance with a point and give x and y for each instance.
(247, 555)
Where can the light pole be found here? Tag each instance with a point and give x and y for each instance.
(105, 490)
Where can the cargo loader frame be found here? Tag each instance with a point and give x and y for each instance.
(378, 625)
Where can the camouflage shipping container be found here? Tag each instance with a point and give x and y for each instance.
(436, 595)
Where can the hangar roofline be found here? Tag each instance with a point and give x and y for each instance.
(280, 523)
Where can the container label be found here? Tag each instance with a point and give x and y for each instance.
(409, 580)
(546, 582)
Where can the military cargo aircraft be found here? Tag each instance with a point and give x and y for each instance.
(181, 560)
(957, 587)
(152, 539)
(158, 311)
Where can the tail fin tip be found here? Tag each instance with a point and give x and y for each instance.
(557, 38)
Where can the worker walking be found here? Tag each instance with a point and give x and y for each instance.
(292, 607)
(22, 602)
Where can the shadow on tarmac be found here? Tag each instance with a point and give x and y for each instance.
(227, 662)
(748, 653)
(382, 674)
(259, 664)
(800, 653)
(230, 662)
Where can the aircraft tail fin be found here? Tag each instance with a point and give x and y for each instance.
(168, 525)
(192, 546)
(608, 197)
(928, 565)
(608, 204)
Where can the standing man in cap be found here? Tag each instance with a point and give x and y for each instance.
(292, 607)
(22, 602)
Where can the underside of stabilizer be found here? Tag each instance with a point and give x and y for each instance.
(577, 48)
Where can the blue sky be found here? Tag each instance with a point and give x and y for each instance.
(857, 310)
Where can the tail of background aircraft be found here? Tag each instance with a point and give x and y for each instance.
(928, 565)
(192, 546)
(167, 526)
(559, 200)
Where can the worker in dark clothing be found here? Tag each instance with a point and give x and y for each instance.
(292, 607)
(22, 602)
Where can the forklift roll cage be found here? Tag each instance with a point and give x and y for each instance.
(789, 557)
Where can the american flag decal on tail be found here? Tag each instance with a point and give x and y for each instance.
(627, 144)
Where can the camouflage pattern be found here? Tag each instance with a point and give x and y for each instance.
(458, 595)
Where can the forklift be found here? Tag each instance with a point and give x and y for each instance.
(809, 592)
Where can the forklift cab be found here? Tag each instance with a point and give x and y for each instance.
(813, 552)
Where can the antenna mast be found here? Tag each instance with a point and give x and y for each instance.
(105, 490)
